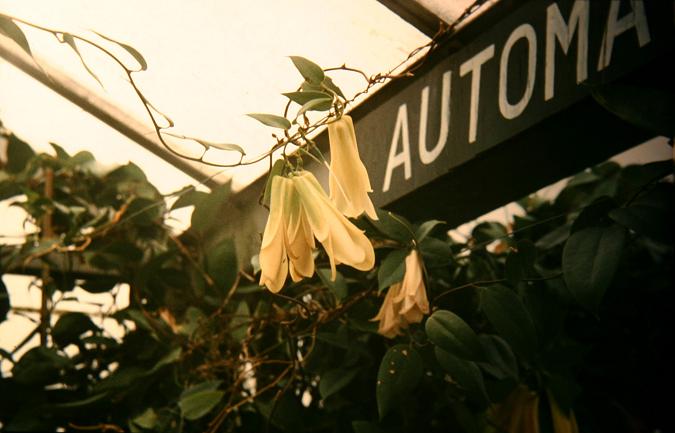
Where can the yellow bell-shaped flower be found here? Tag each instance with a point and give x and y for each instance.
(342, 240)
(348, 181)
(287, 241)
(406, 301)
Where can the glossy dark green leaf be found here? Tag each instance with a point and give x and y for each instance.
(18, 154)
(338, 287)
(590, 259)
(196, 405)
(594, 215)
(393, 226)
(451, 333)
(520, 261)
(486, 232)
(332, 381)
(11, 30)
(500, 360)
(70, 327)
(271, 120)
(131, 50)
(99, 285)
(39, 366)
(399, 373)
(651, 214)
(276, 170)
(426, 228)
(309, 70)
(465, 373)
(391, 269)
(508, 315)
(644, 106)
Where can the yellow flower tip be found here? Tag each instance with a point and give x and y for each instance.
(348, 181)
(406, 302)
(343, 241)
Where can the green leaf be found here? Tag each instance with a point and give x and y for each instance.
(507, 313)
(12, 31)
(221, 265)
(277, 170)
(4, 301)
(316, 105)
(131, 50)
(39, 366)
(100, 285)
(197, 404)
(208, 144)
(391, 269)
(329, 84)
(147, 420)
(210, 211)
(189, 198)
(240, 321)
(399, 373)
(393, 226)
(334, 380)
(338, 287)
(590, 259)
(144, 211)
(501, 362)
(520, 263)
(465, 373)
(308, 69)
(486, 232)
(19, 153)
(271, 120)
(650, 214)
(301, 98)
(60, 152)
(171, 357)
(70, 40)
(451, 333)
(70, 327)
(426, 228)
(647, 107)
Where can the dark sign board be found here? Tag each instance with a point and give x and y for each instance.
(530, 65)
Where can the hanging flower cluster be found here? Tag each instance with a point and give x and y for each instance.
(406, 301)
(300, 211)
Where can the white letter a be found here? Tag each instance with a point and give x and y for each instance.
(396, 159)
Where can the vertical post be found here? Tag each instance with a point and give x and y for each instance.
(47, 233)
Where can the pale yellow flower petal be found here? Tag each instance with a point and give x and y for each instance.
(273, 253)
(343, 242)
(390, 320)
(348, 181)
(413, 296)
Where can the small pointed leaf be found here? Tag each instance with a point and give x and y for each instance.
(271, 120)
